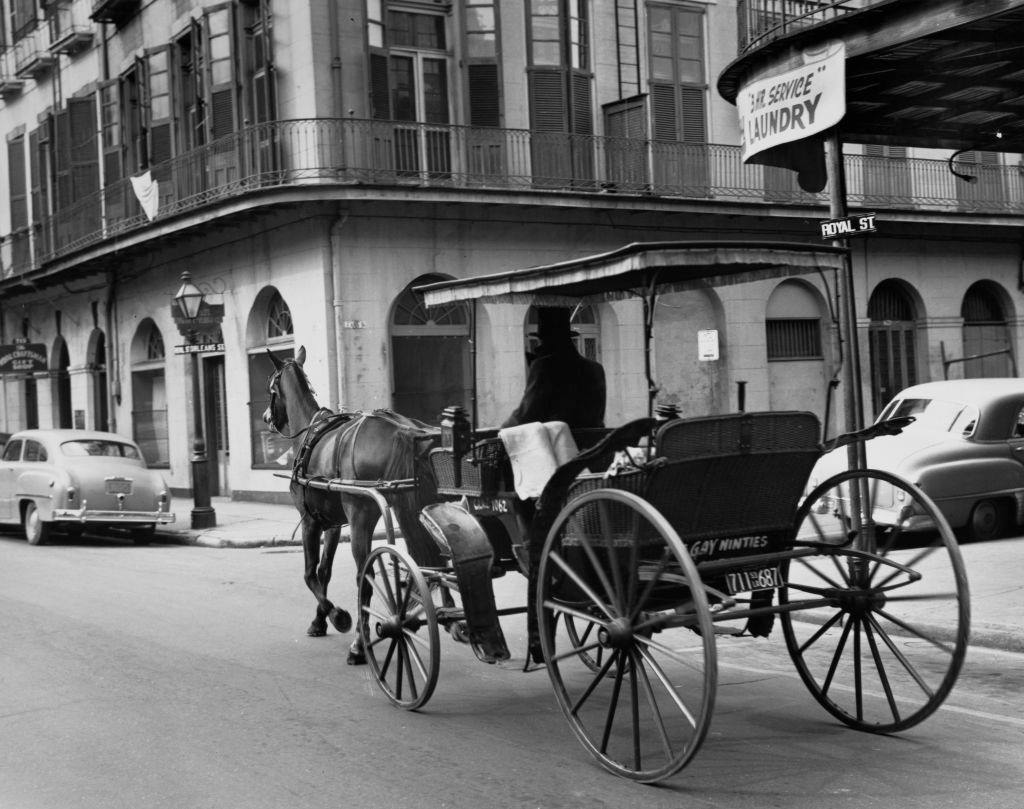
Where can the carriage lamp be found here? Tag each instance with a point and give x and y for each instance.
(189, 300)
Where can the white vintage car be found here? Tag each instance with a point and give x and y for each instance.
(73, 478)
(965, 449)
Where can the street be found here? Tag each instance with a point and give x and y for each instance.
(178, 677)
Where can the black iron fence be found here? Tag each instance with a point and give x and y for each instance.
(325, 152)
(761, 21)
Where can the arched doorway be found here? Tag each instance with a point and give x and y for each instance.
(97, 365)
(892, 342)
(270, 328)
(431, 362)
(986, 333)
(796, 344)
(61, 384)
(149, 394)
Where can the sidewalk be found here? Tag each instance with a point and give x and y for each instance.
(995, 570)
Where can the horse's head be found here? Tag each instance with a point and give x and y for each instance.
(287, 384)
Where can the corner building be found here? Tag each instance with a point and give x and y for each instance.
(310, 162)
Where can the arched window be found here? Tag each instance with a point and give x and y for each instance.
(431, 364)
(891, 342)
(270, 327)
(793, 323)
(586, 331)
(149, 394)
(986, 333)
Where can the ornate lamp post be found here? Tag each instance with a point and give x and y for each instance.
(189, 300)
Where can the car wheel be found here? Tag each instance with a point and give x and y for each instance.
(37, 532)
(987, 521)
(143, 535)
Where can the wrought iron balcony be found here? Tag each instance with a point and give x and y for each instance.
(761, 21)
(70, 30)
(32, 59)
(10, 85)
(327, 153)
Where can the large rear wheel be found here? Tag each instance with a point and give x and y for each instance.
(626, 633)
(398, 627)
(886, 641)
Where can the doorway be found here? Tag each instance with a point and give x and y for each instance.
(215, 417)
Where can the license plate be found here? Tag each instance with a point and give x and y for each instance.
(119, 485)
(762, 578)
(492, 505)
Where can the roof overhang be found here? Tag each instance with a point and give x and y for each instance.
(927, 73)
(638, 269)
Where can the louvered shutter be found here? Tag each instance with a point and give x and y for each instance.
(694, 125)
(484, 95)
(16, 185)
(548, 110)
(62, 160)
(160, 143)
(625, 150)
(35, 176)
(664, 119)
(85, 153)
(582, 106)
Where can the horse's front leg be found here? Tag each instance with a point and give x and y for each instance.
(318, 574)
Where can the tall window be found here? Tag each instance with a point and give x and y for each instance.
(270, 328)
(409, 83)
(561, 103)
(891, 342)
(149, 394)
(678, 86)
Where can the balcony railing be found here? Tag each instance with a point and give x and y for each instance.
(326, 152)
(761, 21)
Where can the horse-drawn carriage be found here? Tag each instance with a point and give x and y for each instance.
(703, 526)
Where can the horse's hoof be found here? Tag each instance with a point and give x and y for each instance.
(356, 659)
(341, 620)
(316, 630)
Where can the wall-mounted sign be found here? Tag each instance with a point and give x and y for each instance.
(198, 348)
(22, 358)
(795, 104)
(850, 226)
(707, 344)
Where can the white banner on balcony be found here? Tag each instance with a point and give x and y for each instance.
(795, 104)
(147, 191)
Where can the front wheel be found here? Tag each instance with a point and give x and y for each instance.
(37, 532)
(626, 633)
(398, 627)
(885, 629)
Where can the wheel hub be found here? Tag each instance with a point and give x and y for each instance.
(618, 634)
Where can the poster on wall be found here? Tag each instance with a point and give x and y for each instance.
(22, 358)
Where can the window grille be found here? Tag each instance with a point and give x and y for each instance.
(794, 339)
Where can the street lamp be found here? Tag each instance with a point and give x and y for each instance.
(189, 300)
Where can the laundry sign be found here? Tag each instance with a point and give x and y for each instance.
(796, 104)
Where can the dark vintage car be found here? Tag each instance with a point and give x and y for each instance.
(76, 478)
(965, 449)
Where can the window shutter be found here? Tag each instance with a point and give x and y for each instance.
(380, 103)
(112, 130)
(35, 176)
(85, 156)
(694, 129)
(484, 95)
(548, 112)
(582, 108)
(16, 183)
(663, 112)
(223, 105)
(62, 159)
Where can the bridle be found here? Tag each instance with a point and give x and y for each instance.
(272, 407)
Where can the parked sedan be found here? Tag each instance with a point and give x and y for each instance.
(965, 449)
(74, 478)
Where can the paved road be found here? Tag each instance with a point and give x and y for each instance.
(178, 677)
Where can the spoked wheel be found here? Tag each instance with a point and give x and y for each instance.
(626, 633)
(398, 627)
(884, 648)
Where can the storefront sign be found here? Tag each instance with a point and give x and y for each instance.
(795, 104)
(850, 226)
(22, 358)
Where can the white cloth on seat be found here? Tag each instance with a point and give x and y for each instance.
(535, 451)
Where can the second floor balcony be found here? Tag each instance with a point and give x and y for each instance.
(317, 154)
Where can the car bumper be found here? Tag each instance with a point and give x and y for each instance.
(111, 517)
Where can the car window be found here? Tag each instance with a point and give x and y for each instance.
(936, 414)
(12, 451)
(1018, 427)
(99, 448)
(34, 451)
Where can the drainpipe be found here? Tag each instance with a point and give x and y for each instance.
(336, 329)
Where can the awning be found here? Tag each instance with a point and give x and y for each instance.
(638, 269)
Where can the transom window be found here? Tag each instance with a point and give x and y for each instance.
(279, 318)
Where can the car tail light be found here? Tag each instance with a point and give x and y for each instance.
(71, 493)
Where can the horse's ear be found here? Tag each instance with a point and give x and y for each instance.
(275, 360)
(300, 358)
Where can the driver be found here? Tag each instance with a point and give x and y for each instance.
(561, 385)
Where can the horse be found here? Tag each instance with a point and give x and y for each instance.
(379, 445)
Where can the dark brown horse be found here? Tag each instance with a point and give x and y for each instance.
(376, 446)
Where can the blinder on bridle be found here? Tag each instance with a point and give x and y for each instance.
(273, 418)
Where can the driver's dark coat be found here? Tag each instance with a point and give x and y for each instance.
(564, 386)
